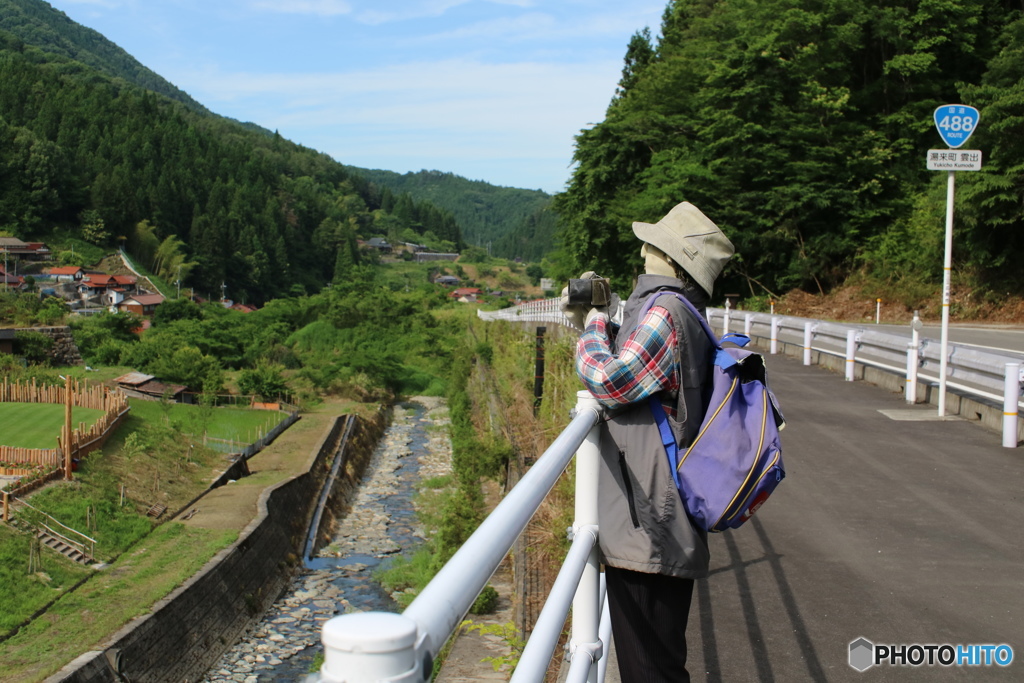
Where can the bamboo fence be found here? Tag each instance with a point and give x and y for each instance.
(84, 439)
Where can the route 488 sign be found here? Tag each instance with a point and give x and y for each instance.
(955, 123)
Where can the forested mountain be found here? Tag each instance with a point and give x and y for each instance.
(510, 222)
(40, 25)
(114, 162)
(802, 128)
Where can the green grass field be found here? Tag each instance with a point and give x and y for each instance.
(37, 425)
(235, 424)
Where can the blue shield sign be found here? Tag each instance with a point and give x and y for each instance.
(955, 123)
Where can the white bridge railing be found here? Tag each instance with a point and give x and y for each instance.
(377, 646)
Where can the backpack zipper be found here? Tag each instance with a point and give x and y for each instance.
(732, 504)
(707, 424)
(760, 445)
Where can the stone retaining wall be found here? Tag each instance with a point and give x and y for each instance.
(188, 631)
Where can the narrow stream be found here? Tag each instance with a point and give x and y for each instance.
(381, 524)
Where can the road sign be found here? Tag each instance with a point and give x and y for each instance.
(955, 123)
(954, 160)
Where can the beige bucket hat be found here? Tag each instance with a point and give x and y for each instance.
(692, 240)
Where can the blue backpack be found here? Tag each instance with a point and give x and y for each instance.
(735, 461)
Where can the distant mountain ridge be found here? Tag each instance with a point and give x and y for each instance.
(510, 222)
(40, 24)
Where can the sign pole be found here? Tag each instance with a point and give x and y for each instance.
(955, 123)
(947, 268)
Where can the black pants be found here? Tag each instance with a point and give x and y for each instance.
(649, 614)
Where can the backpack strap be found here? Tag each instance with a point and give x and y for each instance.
(668, 439)
(722, 359)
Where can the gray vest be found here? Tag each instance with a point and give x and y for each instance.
(643, 525)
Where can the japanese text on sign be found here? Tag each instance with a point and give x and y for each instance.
(954, 160)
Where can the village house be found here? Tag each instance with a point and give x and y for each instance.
(466, 295)
(95, 284)
(446, 280)
(380, 244)
(26, 251)
(140, 385)
(72, 274)
(141, 304)
(9, 281)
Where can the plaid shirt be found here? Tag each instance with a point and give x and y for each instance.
(646, 363)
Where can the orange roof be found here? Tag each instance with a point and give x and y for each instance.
(65, 270)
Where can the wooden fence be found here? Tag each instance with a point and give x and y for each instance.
(84, 439)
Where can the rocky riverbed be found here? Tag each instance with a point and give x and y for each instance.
(282, 646)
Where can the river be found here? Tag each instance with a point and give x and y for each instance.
(380, 525)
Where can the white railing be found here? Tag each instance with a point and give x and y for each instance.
(992, 376)
(972, 372)
(378, 646)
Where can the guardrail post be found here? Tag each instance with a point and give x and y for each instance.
(915, 342)
(586, 606)
(748, 320)
(808, 334)
(725, 321)
(912, 372)
(365, 647)
(1011, 395)
(851, 352)
(775, 336)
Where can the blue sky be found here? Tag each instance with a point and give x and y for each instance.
(491, 90)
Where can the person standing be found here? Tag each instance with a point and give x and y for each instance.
(651, 550)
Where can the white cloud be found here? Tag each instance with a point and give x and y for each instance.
(447, 114)
(323, 8)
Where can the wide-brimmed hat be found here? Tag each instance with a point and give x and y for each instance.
(692, 240)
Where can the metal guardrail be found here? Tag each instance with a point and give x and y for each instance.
(378, 646)
(990, 376)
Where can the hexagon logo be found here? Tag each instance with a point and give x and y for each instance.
(862, 654)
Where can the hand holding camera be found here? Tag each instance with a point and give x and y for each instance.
(585, 297)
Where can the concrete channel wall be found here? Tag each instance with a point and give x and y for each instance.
(192, 627)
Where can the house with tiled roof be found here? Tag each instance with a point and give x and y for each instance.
(66, 273)
(141, 304)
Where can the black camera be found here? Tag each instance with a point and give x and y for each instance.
(594, 292)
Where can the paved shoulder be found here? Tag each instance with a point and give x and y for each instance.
(899, 532)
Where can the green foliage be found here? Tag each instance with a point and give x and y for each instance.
(97, 512)
(94, 230)
(265, 380)
(23, 593)
(509, 634)
(102, 339)
(486, 602)
(516, 223)
(191, 194)
(33, 346)
(26, 309)
(799, 128)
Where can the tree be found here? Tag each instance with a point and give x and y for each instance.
(94, 230)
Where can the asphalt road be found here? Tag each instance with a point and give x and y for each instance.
(900, 532)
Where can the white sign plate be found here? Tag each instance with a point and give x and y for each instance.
(954, 160)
